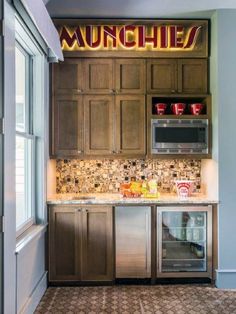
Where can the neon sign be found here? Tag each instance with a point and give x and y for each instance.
(160, 37)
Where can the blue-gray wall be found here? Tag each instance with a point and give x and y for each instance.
(223, 87)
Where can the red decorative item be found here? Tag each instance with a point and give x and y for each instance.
(196, 109)
(184, 188)
(160, 108)
(178, 108)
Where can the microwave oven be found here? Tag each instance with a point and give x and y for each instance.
(179, 136)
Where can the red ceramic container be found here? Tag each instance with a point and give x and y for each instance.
(178, 108)
(196, 109)
(160, 108)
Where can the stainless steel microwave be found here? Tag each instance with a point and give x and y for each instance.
(179, 136)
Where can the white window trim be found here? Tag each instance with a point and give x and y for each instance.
(26, 40)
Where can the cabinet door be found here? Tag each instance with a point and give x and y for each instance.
(130, 125)
(97, 247)
(98, 76)
(99, 125)
(130, 77)
(64, 243)
(67, 77)
(67, 126)
(162, 76)
(192, 76)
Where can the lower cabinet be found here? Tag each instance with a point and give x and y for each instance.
(80, 243)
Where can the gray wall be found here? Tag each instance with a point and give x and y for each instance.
(223, 85)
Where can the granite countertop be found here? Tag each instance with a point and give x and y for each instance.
(116, 199)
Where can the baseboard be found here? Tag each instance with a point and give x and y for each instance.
(226, 278)
(36, 296)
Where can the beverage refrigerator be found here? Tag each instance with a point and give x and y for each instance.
(184, 241)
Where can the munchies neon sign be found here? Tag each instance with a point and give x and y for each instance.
(130, 37)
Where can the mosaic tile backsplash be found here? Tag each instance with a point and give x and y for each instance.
(105, 176)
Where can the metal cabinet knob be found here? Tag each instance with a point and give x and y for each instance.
(79, 210)
(79, 91)
(173, 91)
(80, 151)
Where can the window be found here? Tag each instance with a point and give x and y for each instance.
(24, 140)
(31, 78)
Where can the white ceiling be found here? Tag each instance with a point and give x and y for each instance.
(136, 8)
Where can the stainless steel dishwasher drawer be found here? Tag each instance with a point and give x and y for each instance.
(133, 241)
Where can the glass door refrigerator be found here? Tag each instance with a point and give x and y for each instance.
(184, 241)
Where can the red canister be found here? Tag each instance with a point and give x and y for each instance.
(178, 108)
(196, 109)
(160, 108)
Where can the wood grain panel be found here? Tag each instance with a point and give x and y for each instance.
(192, 76)
(97, 253)
(67, 127)
(130, 123)
(99, 125)
(162, 76)
(130, 76)
(98, 76)
(67, 77)
(64, 243)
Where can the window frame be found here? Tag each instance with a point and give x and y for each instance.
(27, 43)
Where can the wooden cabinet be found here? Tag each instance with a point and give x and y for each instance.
(64, 243)
(97, 244)
(192, 76)
(130, 76)
(67, 77)
(80, 243)
(98, 104)
(98, 76)
(99, 124)
(130, 125)
(162, 76)
(67, 126)
(186, 76)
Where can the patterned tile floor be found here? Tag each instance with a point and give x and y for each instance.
(161, 299)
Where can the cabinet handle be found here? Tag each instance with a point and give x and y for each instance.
(79, 91)
(79, 210)
(80, 151)
(173, 91)
(112, 91)
(113, 152)
(118, 151)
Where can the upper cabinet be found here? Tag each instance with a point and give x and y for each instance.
(173, 76)
(162, 76)
(99, 104)
(67, 126)
(98, 76)
(130, 76)
(130, 125)
(192, 76)
(67, 77)
(99, 124)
